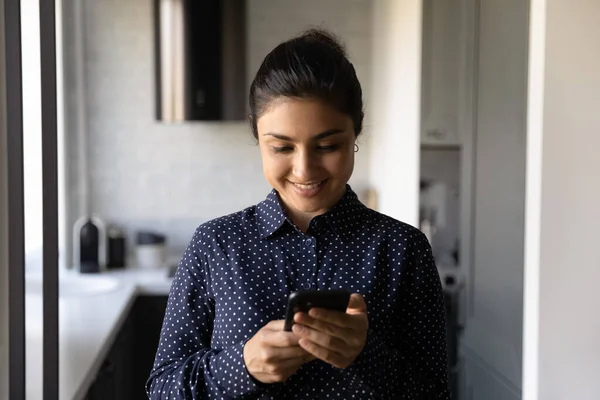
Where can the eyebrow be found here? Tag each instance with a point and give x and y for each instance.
(320, 136)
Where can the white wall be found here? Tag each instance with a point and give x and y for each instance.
(562, 318)
(172, 177)
(3, 223)
(395, 120)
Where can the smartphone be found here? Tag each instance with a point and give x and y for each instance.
(304, 300)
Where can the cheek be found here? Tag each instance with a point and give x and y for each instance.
(340, 164)
(274, 166)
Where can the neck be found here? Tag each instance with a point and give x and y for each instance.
(302, 219)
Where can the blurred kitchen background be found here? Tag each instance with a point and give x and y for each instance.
(139, 170)
(168, 173)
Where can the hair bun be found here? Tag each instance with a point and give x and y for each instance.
(313, 64)
(326, 38)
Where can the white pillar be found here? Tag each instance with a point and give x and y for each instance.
(562, 260)
(394, 111)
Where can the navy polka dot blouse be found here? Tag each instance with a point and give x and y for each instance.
(237, 273)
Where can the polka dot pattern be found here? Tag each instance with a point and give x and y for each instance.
(237, 273)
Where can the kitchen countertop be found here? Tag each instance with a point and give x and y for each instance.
(88, 325)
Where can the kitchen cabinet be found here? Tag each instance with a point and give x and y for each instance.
(113, 380)
(124, 371)
(148, 314)
(447, 70)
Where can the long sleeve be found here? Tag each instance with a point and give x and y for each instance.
(412, 364)
(237, 273)
(186, 367)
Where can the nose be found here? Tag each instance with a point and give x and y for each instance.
(305, 165)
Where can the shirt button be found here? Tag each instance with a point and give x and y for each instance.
(308, 242)
(306, 286)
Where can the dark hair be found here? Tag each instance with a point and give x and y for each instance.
(314, 64)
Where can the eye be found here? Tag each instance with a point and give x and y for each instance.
(284, 149)
(328, 148)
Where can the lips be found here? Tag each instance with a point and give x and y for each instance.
(308, 189)
(308, 186)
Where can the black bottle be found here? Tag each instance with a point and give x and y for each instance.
(89, 245)
(117, 249)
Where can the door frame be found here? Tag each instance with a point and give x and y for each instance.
(15, 198)
(13, 211)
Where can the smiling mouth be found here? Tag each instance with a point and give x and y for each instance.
(308, 186)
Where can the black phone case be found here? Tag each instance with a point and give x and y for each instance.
(304, 300)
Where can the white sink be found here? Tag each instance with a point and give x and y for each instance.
(74, 285)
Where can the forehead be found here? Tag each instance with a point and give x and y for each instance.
(301, 118)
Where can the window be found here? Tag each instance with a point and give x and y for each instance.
(32, 132)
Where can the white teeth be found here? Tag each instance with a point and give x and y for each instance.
(308, 187)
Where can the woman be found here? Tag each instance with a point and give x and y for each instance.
(223, 336)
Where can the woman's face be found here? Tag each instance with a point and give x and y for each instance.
(307, 151)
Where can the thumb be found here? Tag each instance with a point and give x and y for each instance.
(356, 304)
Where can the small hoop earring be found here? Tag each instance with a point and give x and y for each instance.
(356, 148)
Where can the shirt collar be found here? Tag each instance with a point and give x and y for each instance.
(343, 218)
(270, 215)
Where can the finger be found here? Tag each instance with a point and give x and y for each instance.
(338, 318)
(356, 304)
(324, 326)
(278, 354)
(280, 339)
(322, 339)
(322, 353)
(277, 337)
(276, 325)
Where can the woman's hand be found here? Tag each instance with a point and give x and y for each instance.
(273, 355)
(332, 336)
